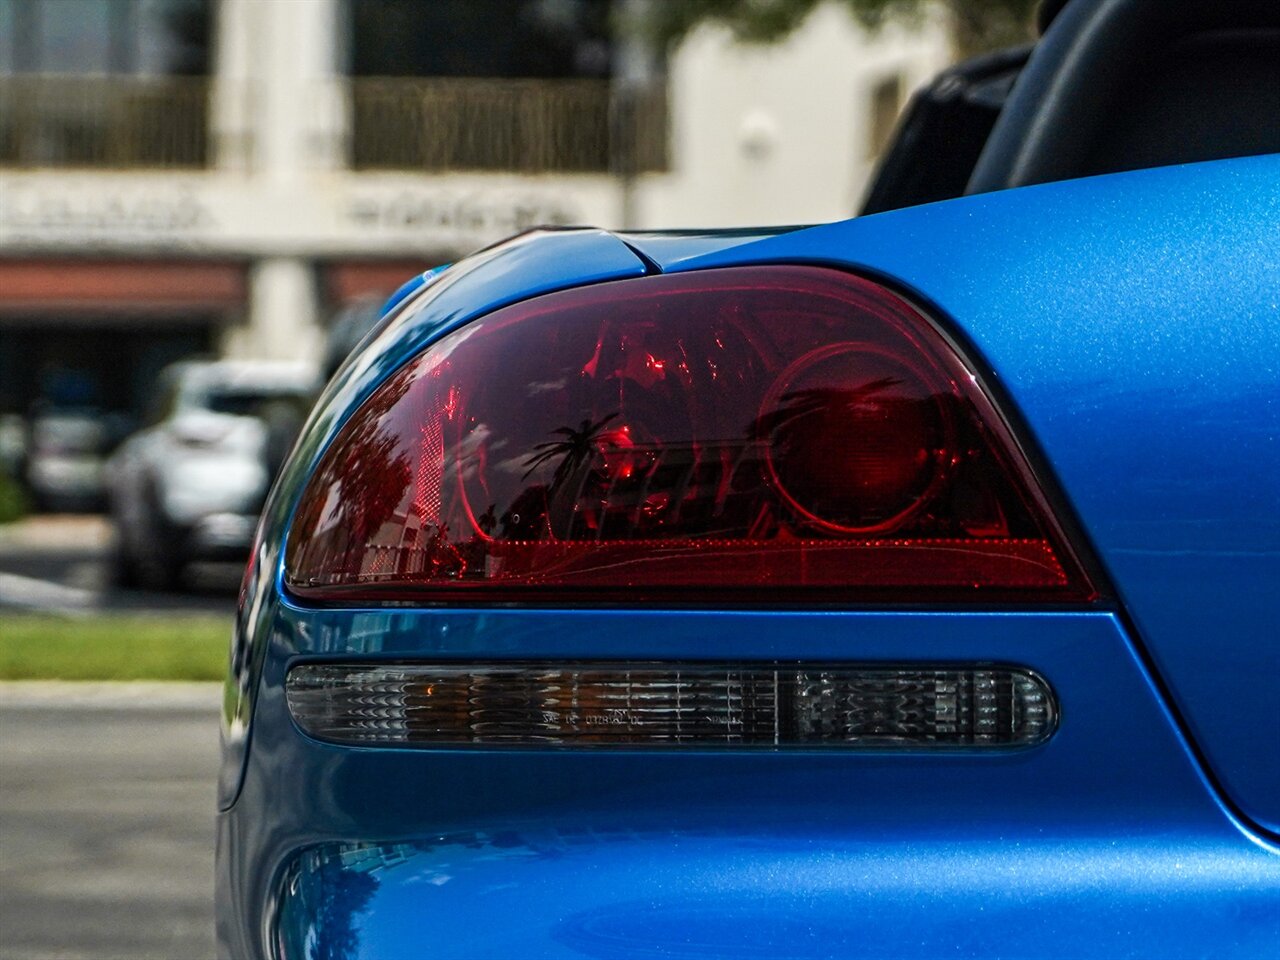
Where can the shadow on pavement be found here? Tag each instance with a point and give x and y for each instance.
(63, 564)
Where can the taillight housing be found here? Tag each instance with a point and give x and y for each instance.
(747, 435)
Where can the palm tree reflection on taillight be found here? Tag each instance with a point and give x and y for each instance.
(729, 436)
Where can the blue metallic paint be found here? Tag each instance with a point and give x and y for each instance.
(1134, 320)
(410, 287)
(670, 247)
(788, 892)
(1107, 841)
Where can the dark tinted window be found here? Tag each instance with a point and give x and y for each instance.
(105, 36)
(480, 38)
(249, 403)
(163, 401)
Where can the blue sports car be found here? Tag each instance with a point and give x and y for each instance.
(901, 587)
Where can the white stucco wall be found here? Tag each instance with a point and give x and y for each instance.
(778, 134)
(760, 135)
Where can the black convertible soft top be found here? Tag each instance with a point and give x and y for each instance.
(1112, 85)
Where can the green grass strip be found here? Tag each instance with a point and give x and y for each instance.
(113, 647)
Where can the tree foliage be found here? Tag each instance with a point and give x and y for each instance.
(980, 24)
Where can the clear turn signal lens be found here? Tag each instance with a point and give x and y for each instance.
(672, 705)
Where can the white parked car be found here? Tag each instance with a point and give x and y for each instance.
(65, 451)
(188, 486)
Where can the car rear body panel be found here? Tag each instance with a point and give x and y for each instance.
(525, 266)
(1130, 327)
(1133, 322)
(1106, 838)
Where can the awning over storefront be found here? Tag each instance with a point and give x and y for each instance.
(40, 286)
(350, 280)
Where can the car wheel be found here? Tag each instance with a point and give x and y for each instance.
(124, 570)
(160, 566)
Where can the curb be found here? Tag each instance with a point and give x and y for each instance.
(112, 695)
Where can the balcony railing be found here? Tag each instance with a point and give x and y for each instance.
(419, 124)
(516, 125)
(103, 121)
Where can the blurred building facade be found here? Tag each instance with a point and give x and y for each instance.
(222, 176)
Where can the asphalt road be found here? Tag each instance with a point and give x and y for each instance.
(64, 563)
(106, 820)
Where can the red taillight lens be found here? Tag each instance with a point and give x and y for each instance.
(745, 434)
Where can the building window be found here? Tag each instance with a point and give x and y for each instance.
(886, 102)
(436, 87)
(480, 38)
(136, 37)
(104, 83)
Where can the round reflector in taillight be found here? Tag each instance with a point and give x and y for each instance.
(859, 436)
(733, 435)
